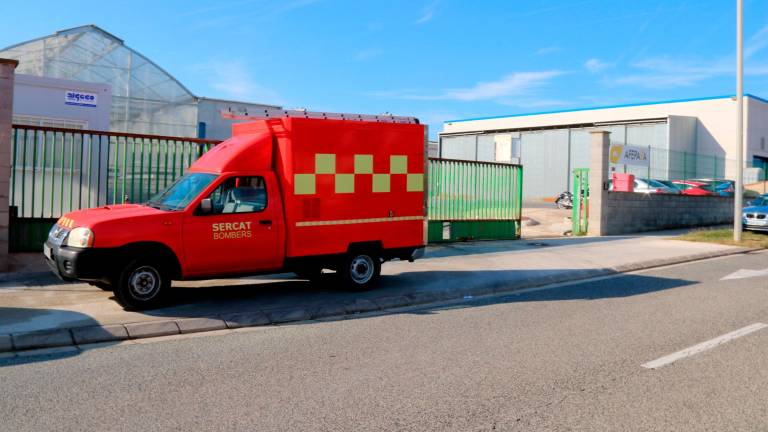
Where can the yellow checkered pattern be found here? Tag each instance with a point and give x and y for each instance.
(325, 163)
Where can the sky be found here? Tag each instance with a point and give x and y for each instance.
(437, 60)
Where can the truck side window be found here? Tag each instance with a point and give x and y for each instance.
(239, 195)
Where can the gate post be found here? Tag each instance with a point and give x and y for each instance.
(598, 179)
(7, 68)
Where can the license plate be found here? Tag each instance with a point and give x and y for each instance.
(47, 251)
(757, 222)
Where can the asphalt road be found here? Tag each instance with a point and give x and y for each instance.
(568, 358)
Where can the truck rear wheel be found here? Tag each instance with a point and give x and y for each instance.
(142, 285)
(359, 271)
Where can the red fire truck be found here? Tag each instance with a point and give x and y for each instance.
(290, 191)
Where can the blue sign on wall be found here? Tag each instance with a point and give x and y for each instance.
(78, 98)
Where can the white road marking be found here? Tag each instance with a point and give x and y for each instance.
(704, 346)
(746, 273)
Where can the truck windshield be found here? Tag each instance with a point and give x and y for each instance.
(181, 192)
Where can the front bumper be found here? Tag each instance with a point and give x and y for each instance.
(71, 263)
(758, 223)
(755, 227)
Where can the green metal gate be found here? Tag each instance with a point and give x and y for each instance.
(55, 171)
(580, 212)
(473, 200)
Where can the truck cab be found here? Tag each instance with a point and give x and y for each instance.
(248, 207)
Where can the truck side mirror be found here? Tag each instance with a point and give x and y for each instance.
(206, 206)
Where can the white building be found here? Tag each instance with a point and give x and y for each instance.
(53, 102)
(692, 138)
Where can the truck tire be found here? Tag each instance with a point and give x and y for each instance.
(359, 271)
(143, 284)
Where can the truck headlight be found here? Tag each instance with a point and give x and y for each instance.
(81, 237)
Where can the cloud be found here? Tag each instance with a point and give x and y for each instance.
(756, 42)
(669, 72)
(660, 81)
(508, 87)
(428, 13)
(547, 50)
(436, 117)
(232, 80)
(367, 54)
(534, 102)
(595, 65)
(665, 72)
(511, 85)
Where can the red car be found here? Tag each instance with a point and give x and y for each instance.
(688, 187)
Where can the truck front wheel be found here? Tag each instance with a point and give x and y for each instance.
(359, 270)
(141, 285)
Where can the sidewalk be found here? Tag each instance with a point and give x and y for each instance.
(78, 313)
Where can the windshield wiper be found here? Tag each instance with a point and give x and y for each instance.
(160, 206)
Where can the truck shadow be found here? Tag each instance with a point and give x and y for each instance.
(276, 293)
(285, 296)
(37, 273)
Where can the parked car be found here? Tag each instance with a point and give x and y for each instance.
(756, 200)
(720, 186)
(689, 187)
(670, 184)
(755, 217)
(649, 186)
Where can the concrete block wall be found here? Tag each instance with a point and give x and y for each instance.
(612, 213)
(627, 212)
(7, 68)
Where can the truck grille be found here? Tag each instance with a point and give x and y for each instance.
(58, 234)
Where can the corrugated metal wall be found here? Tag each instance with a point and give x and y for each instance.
(545, 157)
(549, 156)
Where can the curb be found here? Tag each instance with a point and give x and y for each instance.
(65, 337)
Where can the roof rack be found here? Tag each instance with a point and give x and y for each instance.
(279, 113)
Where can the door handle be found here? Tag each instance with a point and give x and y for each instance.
(265, 222)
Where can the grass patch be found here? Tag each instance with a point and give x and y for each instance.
(725, 236)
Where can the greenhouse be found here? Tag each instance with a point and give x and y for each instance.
(145, 98)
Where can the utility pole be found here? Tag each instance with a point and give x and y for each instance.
(738, 194)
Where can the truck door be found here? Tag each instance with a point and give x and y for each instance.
(240, 234)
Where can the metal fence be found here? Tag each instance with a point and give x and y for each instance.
(473, 200)
(674, 165)
(55, 171)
